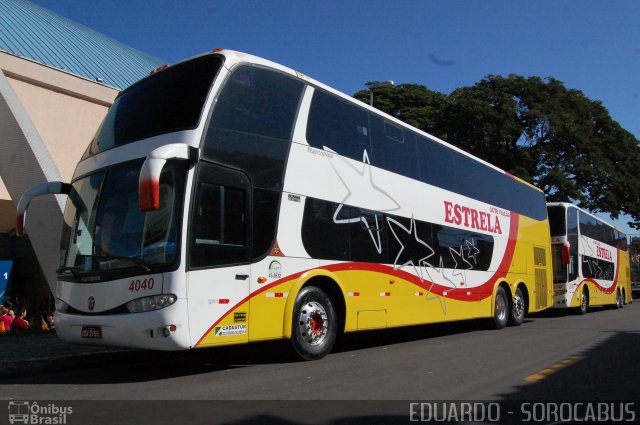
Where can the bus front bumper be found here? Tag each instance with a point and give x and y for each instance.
(165, 329)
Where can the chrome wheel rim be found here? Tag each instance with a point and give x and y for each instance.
(501, 308)
(518, 307)
(313, 323)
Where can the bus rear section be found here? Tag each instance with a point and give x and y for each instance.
(590, 260)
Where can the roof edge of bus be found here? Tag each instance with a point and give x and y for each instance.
(569, 204)
(236, 57)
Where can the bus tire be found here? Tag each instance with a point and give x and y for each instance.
(501, 309)
(619, 300)
(518, 309)
(315, 324)
(584, 302)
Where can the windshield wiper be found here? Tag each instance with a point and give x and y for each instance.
(75, 270)
(135, 260)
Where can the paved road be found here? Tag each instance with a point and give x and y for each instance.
(561, 356)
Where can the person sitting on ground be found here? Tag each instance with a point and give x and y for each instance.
(20, 323)
(6, 316)
(49, 320)
(37, 324)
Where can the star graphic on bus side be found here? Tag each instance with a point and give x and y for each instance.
(459, 269)
(472, 250)
(409, 238)
(589, 251)
(436, 274)
(361, 190)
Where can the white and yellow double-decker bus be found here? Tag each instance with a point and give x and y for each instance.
(590, 260)
(229, 199)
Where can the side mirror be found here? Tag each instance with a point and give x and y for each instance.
(149, 182)
(48, 188)
(566, 254)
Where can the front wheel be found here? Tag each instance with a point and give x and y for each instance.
(518, 309)
(501, 309)
(315, 325)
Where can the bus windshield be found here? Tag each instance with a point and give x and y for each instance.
(110, 233)
(170, 100)
(557, 220)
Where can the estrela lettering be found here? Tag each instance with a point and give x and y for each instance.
(469, 217)
(604, 253)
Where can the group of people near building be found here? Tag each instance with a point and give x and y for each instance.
(16, 319)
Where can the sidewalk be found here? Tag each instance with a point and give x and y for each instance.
(21, 354)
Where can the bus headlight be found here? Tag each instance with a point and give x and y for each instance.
(61, 306)
(155, 302)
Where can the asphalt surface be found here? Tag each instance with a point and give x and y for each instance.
(371, 378)
(35, 353)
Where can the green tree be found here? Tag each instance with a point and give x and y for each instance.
(412, 103)
(537, 129)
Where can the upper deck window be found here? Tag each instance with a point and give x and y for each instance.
(557, 220)
(170, 100)
(252, 122)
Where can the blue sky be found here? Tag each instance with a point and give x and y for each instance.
(590, 45)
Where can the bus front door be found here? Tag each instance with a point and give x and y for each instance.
(219, 256)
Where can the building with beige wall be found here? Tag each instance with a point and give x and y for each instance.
(57, 80)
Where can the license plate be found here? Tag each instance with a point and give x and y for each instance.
(91, 332)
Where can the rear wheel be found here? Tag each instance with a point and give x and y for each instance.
(315, 325)
(518, 309)
(619, 299)
(584, 302)
(501, 309)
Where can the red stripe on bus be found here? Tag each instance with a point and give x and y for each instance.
(483, 291)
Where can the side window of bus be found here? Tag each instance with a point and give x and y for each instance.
(218, 225)
(393, 148)
(265, 216)
(367, 236)
(258, 101)
(252, 124)
(322, 237)
(572, 237)
(436, 164)
(338, 125)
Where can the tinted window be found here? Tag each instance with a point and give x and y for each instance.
(252, 123)
(436, 163)
(321, 236)
(621, 241)
(494, 187)
(219, 231)
(338, 125)
(393, 148)
(596, 229)
(462, 250)
(367, 236)
(572, 237)
(557, 220)
(265, 217)
(410, 242)
(167, 101)
(572, 221)
(258, 101)
(338, 232)
(596, 268)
